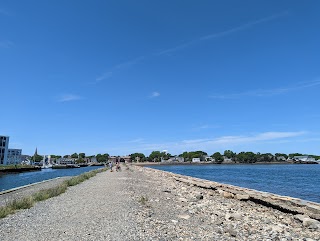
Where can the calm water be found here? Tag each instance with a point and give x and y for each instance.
(300, 181)
(8, 181)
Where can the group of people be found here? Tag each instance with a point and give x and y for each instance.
(118, 168)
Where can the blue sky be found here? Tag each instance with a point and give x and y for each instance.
(136, 76)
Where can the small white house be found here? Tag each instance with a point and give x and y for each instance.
(196, 159)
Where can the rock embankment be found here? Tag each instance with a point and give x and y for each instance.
(147, 204)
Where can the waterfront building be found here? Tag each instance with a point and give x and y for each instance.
(196, 159)
(304, 158)
(126, 158)
(66, 161)
(14, 156)
(4, 143)
(176, 159)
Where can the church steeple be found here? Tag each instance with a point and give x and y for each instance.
(35, 155)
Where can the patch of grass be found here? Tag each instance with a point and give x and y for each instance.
(12, 166)
(23, 203)
(50, 192)
(28, 202)
(81, 178)
(5, 211)
(143, 200)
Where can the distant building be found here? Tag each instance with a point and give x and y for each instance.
(126, 158)
(196, 159)
(207, 158)
(113, 158)
(65, 161)
(304, 158)
(4, 143)
(176, 159)
(93, 159)
(14, 156)
(227, 160)
(281, 158)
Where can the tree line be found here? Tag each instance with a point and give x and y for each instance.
(157, 156)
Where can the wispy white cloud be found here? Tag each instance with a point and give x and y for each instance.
(138, 140)
(205, 127)
(223, 33)
(104, 76)
(266, 93)
(113, 70)
(6, 44)
(69, 97)
(223, 141)
(129, 63)
(240, 142)
(154, 95)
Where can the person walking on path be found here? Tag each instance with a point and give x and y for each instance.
(118, 166)
(110, 165)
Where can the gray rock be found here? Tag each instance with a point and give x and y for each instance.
(311, 223)
(232, 232)
(242, 197)
(300, 217)
(227, 194)
(199, 197)
(233, 216)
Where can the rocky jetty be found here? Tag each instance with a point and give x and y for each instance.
(145, 204)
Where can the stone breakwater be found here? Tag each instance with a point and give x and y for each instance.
(283, 203)
(147, 204)
(240, 213)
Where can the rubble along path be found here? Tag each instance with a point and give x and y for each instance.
(139, 204)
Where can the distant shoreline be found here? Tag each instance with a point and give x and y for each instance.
(207, 163)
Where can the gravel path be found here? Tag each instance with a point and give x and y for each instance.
(139, 204)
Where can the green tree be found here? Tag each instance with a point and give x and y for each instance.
(246, 157)
(74, 155)
(188, 156)
(82, 155)
(37, 158)
(102, 158)
(281, 154)
(229, 154)
(217, 157)
(80, 160)
(155, 156)
(138, 157)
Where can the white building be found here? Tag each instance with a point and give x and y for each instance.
(304, 158)
(66, 161)
(176, 159)
(4, 143)
(196, 159)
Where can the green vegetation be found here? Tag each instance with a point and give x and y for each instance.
(74, 155)
(102, 158)
(37, 158)
(156, 156)
(217, 157)
(55, 156)
(17, 166)
(193, 154)
(28, 202)
(241, 157)
(138, 157)
(143, 200)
